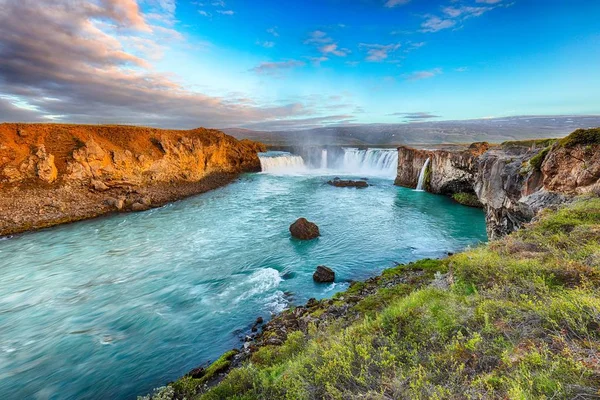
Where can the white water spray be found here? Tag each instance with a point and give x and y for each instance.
(324, 159)
(421, 182)
(281, 163)
(377, 162)
(350, 161)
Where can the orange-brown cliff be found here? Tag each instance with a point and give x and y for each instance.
(53, 173)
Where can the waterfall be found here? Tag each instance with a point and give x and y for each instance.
(378, 162)
(343, 161)
(421, 182)
(324, 159)
(279, 162)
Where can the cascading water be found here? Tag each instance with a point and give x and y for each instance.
(324, 159)
(348, 161)
(278, 162)
(378, 162)
(421, 182)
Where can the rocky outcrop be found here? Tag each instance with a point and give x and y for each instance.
(90, 170)
(303, 229)
(337, 182)
(449, 171)
(513, 181)
(324, 274)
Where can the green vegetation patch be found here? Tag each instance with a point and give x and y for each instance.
(582, 137)
(521, 320)
(467, 199)
(535, 143)
(537, 160)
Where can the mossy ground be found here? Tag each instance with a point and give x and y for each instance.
(582, 137)
(521, 320)
(467, 199)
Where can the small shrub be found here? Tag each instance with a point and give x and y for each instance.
(582, 137)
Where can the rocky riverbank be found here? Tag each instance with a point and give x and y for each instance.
(513, 181)
(52, 174)
(516, 318)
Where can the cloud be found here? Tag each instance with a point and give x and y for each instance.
(267, 44)
(461, 69)
(74, 61)
(273, 31)
(415, 116)
(465, 11)
(395, 3)
(316, 61)
(274, 67)
(317, 37)
(333, 49)
(418, 75)
(226, 12)
(434, 24)
(454, 14)
(379, 52)
(204, 13)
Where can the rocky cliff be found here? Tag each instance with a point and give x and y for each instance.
(51, 173)
(513, 181)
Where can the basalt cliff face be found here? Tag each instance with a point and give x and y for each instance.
(51, 173)
(513, 181)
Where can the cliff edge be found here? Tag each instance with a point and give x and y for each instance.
(514, 180)
(54, 173)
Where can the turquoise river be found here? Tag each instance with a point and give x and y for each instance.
(113, 307)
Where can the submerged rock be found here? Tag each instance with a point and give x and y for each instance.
(348, 183)
(303, 229)
(324, 274)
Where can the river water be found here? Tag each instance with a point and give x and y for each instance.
(112, 307)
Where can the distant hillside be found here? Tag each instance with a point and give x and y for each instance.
(494, 130)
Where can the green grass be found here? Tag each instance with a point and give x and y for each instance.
(467, 199)
(521, 321)
(582, 137)
(537, 160)
(536, 143)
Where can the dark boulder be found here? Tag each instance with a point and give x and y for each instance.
(323, 274)
(304, 229)
(348, 183)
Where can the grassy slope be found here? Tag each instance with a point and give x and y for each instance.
(521, 320)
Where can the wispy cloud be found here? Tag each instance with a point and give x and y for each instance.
(418, 75)
(453, 14)
(415, 116)
(395, 3)
(379, 52)
(226, 12)
(333, 49)
(461, 69)
(266, 44)
(325, 45)
(317, 37)
(434, 23)
(273, 31)
(274, 67)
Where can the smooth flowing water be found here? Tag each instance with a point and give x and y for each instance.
(113, 307)
(421, 181)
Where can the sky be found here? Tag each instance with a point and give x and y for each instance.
(279, 65)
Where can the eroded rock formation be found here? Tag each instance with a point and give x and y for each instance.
(52, 173)
(513, 181)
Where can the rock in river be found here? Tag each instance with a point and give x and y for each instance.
(348, 183)
(324, 274)
(304, 229)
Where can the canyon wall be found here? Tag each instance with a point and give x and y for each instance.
(53, 173)
(513, 181)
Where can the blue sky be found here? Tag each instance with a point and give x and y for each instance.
(278, 64)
